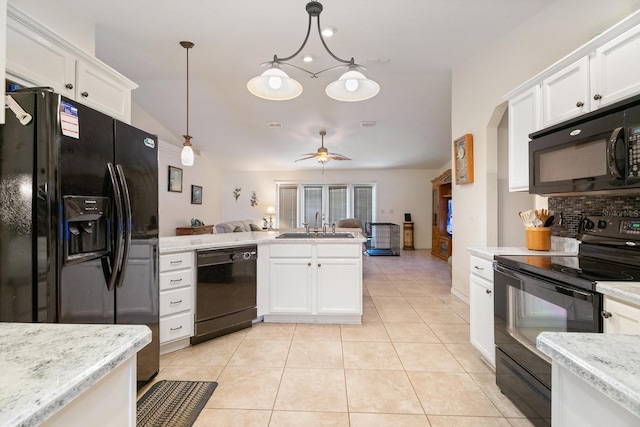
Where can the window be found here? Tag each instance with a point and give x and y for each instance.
(298, 203)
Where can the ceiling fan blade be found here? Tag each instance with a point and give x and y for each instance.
(306, 158)
(336, 156)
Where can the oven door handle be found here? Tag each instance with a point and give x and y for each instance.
(546, 283)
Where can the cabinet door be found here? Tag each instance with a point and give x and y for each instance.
(616, 69)
(524, 118)
(624, 319)
(35, 61)
(566, 93)
(290, 285)
(99, 90)
(339, 286)
(481, 317)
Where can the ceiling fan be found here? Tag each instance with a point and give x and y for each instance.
(323, 155)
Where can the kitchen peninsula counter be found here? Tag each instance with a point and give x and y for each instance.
(49, 368)
(596, 378)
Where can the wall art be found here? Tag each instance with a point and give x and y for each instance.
(253, 198)
(196, 195)
(175, 179)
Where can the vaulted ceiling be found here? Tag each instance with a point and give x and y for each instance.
(408, 46)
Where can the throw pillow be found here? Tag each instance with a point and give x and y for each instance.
(237, 229)
(254, 227)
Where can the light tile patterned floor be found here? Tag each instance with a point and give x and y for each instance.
(409, 364)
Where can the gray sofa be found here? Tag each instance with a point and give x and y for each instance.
(243, 225)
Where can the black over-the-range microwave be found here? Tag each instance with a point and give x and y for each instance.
(595, 152)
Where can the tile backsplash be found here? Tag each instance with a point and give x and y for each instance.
(574, 207)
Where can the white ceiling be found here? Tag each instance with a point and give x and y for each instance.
(421, 40)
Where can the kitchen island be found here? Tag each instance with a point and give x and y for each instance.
(69, 375)
(300, 278)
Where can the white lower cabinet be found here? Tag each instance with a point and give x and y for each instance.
(177, 278)
(315, 282)
(481, 308)
(620, 317)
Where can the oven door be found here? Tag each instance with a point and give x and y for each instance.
(524, 306)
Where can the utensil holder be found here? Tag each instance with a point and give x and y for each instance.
(538, 238)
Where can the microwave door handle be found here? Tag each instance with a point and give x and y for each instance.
(612, 160)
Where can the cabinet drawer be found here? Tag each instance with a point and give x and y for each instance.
(176, 279)
(175, 301)
(482, 267)
(176, 261)
(339, 251)
(291, 251)
(175, 327)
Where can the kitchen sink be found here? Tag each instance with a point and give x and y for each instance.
(313, 235)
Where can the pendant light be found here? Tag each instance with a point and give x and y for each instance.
(275, 85)
(187, 156)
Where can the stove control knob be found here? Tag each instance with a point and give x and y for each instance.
(588, 224)
(602, 224)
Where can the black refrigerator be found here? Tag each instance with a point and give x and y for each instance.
(78, 218)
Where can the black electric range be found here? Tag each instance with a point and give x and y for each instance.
(609, 252)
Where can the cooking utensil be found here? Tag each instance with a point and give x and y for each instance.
(549, 221)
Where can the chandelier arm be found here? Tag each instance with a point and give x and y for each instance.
(304, 43)
(313, 75)
(339, 66)
(350, 62)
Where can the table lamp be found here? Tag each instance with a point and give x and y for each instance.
(271, 212)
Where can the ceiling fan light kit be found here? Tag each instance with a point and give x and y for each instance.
(186, 156)
(275, 85)
(323, 155)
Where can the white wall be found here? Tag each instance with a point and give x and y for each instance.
(175, 209)
(477, 106)
(398, 191)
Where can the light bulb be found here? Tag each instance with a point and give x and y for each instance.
(275, 82)
(351, 85)
(187, 156)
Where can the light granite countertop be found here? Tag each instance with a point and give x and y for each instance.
(625, 291)
(560, 246)
(610, 363)
(224, 240)
(43, 366)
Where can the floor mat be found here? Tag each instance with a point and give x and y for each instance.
(173, 403)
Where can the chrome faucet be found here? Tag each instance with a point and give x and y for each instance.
(317, 215)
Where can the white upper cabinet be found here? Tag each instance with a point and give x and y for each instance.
(616, 69)
(524, 118)
(566, 93)
(36, 56)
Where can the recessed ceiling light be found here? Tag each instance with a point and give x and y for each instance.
(368, 123)
(307, 58)
(274, 125)
(329, 31)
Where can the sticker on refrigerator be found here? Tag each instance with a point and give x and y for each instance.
(69, 120)
(149, 143)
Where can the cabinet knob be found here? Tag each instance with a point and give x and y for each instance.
(85, 94)
(597, 96)
(579, 104)
(488, 291)
(606, 314)
(69, 86)
(309, 264)
(319, 265)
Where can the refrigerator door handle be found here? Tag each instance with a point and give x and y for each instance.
(117, 254)
(127, 225)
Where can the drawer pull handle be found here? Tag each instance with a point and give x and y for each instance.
(85, 94)
(488, 291)
(176, 280)
(175, 302)
(606, 314)
(176, 262)
(176, 329)
(69, 86)
(579, 104)
(478, 268)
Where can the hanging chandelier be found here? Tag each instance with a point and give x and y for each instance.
(274, 84)
(186, 156)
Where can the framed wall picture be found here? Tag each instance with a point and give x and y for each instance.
(196, 195)
(463, 157)
(175, 179)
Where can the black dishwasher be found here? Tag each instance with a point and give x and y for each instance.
(225, 291)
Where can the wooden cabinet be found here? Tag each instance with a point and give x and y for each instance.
(481, 308)
(315, 282)
(177, 279)
(441, 195)
(407, 232)
(620, 317)
(524, 118)
(36, 56)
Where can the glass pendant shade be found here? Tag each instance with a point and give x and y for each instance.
(275, 85)
(352, 86)
(186, 156)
